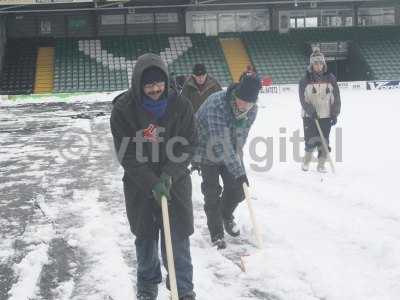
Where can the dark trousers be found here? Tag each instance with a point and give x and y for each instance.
(219, 206)
(312, 136)
(149, 269)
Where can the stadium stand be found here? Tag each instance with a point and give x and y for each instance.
(276, 55)
(106, 64)
(382, 57)
(206, 50)
(82, 65)
(379, 47)
(18, 73)
(283, 56)
(236, 56)
(44, 70)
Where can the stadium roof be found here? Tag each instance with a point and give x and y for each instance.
(241, 2)
(20, 6)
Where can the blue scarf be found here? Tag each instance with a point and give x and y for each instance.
(155, 108)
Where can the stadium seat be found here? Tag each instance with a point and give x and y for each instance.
(275, 55)
(18, 74)
(107, 64)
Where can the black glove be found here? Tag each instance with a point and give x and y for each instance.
(310, 111)
(314, 115)
(162, 188)
(333, 121)
(242, 179)
(195, 167)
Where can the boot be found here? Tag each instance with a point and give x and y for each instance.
(306, 161)
(189, 297)
(231, 227)
(141, 296)
(321, 164)
(147, 292)
(218, 241)
(220, 244)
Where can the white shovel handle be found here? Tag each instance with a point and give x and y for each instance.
(168, 247)
(252, 216)
(325, 146)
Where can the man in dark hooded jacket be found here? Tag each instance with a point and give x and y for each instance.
(199, 86)
(154, 136)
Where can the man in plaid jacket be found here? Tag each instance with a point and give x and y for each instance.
(223, 124)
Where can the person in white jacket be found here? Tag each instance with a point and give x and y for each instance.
(320, 100)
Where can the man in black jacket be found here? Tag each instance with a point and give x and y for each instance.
(199, 86)
(154, 135)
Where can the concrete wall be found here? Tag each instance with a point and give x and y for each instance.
(398, 14)
(91, 24)
(301, 7)
(21, 25)
(80, 25)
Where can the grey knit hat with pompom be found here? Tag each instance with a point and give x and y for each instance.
(317, 57)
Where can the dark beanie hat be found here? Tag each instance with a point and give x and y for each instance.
(248, 88)
(199, 69)
(153, 74)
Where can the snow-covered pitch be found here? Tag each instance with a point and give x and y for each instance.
(64, 232)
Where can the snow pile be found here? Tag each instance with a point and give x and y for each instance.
(28, 271)
(70, 98)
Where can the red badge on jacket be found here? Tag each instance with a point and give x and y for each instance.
(150, 133)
